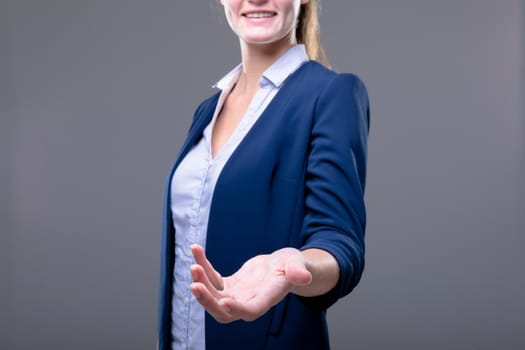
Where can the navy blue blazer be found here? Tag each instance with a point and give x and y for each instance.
(296, 180)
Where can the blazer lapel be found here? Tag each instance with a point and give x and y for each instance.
(202, 119)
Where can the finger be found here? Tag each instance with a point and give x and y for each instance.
(266, 296)
(200, 258)
(247, 311)
(199, 275)
(212, 305)
(252, 309)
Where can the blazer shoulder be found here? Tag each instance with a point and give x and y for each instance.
(350, 84)
(319, 78)
(316, 73)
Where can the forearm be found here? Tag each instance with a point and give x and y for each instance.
(325, 273)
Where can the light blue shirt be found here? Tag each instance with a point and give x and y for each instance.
(192, 187)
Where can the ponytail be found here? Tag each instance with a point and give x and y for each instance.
(307, 32)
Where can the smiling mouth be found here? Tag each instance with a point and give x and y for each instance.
(259, 14)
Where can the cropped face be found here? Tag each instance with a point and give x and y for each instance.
(263, 21)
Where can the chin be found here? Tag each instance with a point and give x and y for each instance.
(265, 40)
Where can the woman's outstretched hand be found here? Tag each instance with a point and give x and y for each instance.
(250, 292)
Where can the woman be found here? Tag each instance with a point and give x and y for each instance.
(271, 181)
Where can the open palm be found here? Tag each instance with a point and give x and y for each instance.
(259, 284)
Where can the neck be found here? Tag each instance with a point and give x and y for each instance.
(256, 58)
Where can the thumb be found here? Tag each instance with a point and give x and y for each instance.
(297, 274)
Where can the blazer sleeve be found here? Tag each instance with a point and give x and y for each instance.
(335, 181)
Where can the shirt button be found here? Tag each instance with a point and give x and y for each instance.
(186, 301)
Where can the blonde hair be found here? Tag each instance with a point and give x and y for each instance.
(307, 32)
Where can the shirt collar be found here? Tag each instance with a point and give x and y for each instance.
(276, 74)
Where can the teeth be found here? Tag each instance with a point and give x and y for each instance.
(259, 15)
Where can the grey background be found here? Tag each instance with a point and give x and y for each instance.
(96, 97)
